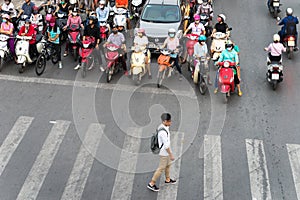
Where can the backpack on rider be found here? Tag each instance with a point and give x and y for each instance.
(290, 27)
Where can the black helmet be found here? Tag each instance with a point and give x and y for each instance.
(228, 44)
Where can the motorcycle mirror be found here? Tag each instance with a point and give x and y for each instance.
(230, 29)
(278, 19)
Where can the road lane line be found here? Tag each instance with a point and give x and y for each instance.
(86, 84)
(169, 192)
(258, 171)
(83, 164)
(123, 185)
(294, 156)
(13, 140)
(213, 182)
(43, 162)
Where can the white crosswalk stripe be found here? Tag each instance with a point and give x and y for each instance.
(12, 140)
(127, 165)
(83, 164)
(169, 192)
(43, 162)
(258, 171)
(213, 185)
(294, 157)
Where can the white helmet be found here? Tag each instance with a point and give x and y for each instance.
(289, 11)
(102, 2)
(276, 38)
(172, 32)
(222, 16)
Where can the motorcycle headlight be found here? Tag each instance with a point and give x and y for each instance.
(226, 64)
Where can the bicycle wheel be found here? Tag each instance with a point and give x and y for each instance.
(40, 65)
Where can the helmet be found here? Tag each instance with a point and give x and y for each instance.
(289, 11)
(202, 38)
(222, 16)
(276, 38)
(27, 20)
(196, 17)
(141, 30)
(228, 44)
(172, 32)
(205, 2)
(52, 20)
(102, 2)
(93, 13)
(6, 16)
(74, 9)
(35, 10)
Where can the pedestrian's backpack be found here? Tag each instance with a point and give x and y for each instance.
(155, 148)
(291, 27)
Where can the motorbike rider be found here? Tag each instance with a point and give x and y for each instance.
(275, 49)
(63, 6)
(220, 26)
(289, 26)
(91, 15)
(36, 17)
(73, 19)
(229, 54)
(28, 30)
(196, 27)
(53, 37)
(27, 8)
(93, 31)
(205, 8)
(141, 40)
(172, 44)
(9, 7)
(200, 50)
(118, 39)
(102, 11)
(7, 28)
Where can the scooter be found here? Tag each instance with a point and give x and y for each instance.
(120, 19)
(111, 6)
(226, 79)
(61, 22)
(22, 51)
(5, 54)
(112, 57)
(74, 40)
(199, 75)
(205, 20)
(85, 52)
(274, 7)
(192, 39)
(104, 31)
(138, 64)
(274, 74)
(219, 40)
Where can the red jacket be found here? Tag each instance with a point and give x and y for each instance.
(31, 32)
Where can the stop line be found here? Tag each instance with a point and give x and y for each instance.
(74, 187)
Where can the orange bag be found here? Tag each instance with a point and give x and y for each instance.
(164, 60)
(122, 4)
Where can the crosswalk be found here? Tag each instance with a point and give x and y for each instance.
(260, 187)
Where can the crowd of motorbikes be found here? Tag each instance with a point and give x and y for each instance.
(140, 57)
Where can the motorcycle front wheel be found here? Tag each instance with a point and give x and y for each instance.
(54, 58)
(290, 52)
(83, 70)
(109, 73)
(160, 76)
(274, 85)
(40, 65)
(202, 85)
(1, 63)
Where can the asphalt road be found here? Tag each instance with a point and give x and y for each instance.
(63, 137)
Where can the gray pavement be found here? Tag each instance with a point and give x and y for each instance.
(64, 137)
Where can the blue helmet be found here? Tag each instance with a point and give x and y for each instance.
(202, 38)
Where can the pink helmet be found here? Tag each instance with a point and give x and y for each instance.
(196, 17)
(141, 30)
(6, 16)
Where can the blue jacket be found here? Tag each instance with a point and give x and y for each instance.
(229, 56)
(285, 20)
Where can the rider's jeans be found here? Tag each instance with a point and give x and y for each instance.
(176, 63)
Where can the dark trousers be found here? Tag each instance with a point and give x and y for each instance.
(57, 48)
(176, 63)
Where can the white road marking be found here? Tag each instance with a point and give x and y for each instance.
(13, 139)
(169, 192)
(294, 156)
(85, 84)
(127, 164)
(213, 183)
(83, 164)
(43, 162)
(258, 171)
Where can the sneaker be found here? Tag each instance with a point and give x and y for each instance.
(154, 188)
(216, 91)
(240, 93)
(60, 65)
(171, 182)
(65, 54)
(77, 67)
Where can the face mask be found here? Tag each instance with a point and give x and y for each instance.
(101, 6)
(172, 35)
(26, 25)
(201, 42)
(7, 2)
(4, 20)
(74, 13)
(229, 48)
(197, 21)
(115, 31)
(52, 24)
(62, 2)
(140, 34)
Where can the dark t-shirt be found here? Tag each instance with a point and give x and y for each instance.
(221, 27)
(64, 9)
(28, 8)
(95, 32)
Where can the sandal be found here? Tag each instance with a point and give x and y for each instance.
(65, 54)
(240, 93)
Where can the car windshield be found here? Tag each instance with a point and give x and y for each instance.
(161, 13)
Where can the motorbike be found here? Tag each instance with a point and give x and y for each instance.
(85, 52)
(120, 19)
(226, 79)
(112, 57)
(289, 43)
(200, 75)
(61, 22)
(74, 39)
(219, 40)
(136, 9)
(205, 20)
(47, 53)
(104, 31)
(22, 50)
(192, 39)
(21, 21)
(37, 22)
(5, 54)
(111, 5)
(274, 7)
(138, 64)
(274, 74)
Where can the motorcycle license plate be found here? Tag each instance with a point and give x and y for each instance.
(291, 43)
(275, 76)
(275, 4)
